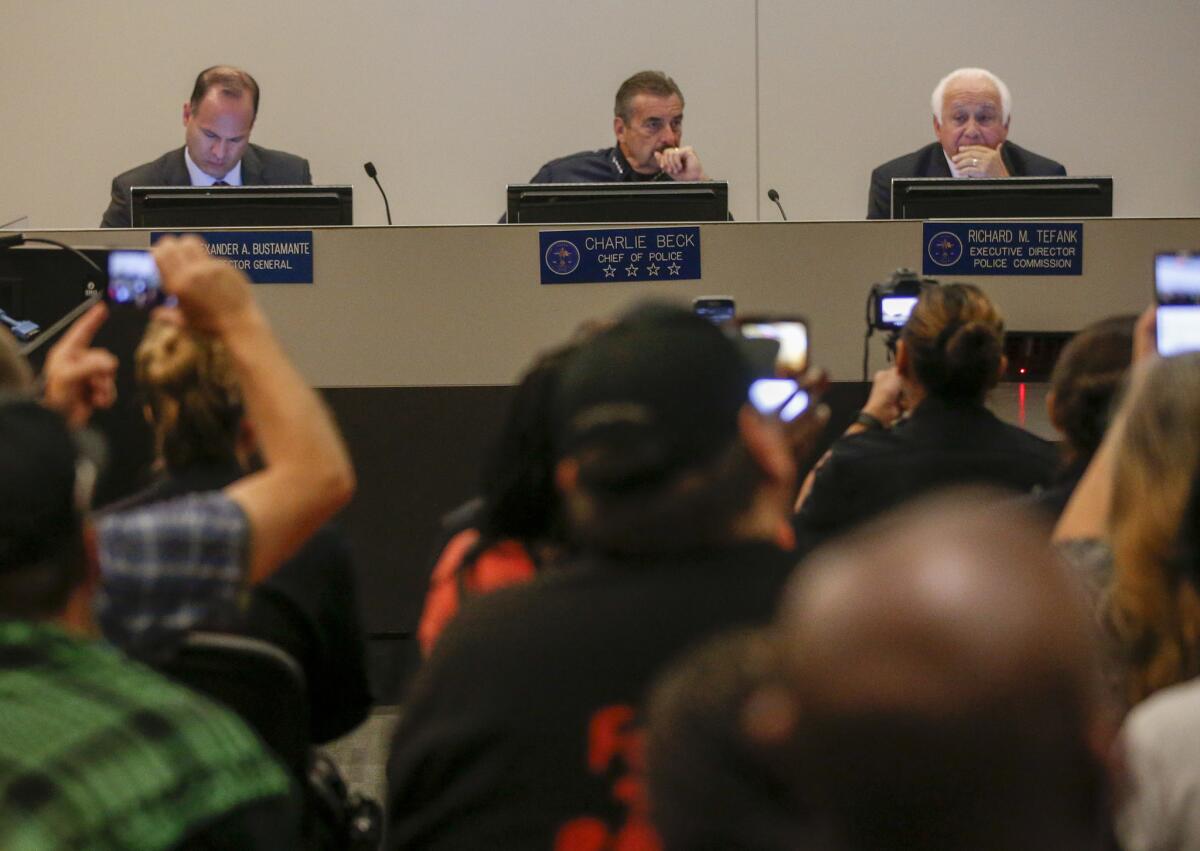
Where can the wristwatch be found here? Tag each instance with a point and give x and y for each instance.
(868, 421)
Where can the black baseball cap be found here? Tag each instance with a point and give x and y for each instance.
(655, 394)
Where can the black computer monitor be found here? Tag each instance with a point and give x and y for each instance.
(655, 201)
(1001, 198)
(240, 206)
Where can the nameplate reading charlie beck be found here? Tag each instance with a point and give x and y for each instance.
(1002, 248)
(266, 257)
(619, 254)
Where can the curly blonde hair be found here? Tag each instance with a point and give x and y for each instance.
(194, 401)
(1153, 610)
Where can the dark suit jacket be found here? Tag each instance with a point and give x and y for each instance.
(260, 167)
(930, 161)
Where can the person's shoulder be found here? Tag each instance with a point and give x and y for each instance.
(870, 443)
(908, 165)
(1166, 717)
(212, 507)
(274, 167)
(1029, 442)
(1029, 164)
(271, 155)
(579, 167)
(154, 172)
(129, 537)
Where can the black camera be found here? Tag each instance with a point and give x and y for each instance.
(892, 302)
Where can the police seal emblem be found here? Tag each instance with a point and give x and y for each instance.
(562, 257)
(944, 248)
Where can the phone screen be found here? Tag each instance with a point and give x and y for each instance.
(133, 279)
(1177, 291)
(894, 310)
(780, 396)
(792, 336)
(716, 309)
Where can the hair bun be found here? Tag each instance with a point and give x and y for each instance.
(972, 358)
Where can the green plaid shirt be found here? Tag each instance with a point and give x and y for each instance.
(97, 751)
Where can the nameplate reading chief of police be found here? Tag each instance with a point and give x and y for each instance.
(971, 112)
(217, 121)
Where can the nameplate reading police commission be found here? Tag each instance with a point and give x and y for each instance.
(266, 257)
(1002, 248)
(618, 255)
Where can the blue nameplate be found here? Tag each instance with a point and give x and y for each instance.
(1002, 248)
(267, 257)
(624, 254)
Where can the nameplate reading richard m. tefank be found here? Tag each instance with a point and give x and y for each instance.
(1002, 248)
(618, 255)
(267, 257)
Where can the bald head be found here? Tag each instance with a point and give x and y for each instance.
(942, 664)
(935, 607)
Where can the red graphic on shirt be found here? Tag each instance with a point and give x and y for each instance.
(614, 748)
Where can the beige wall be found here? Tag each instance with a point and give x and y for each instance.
(454, 98)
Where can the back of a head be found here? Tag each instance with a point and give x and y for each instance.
(945, 683)
(42, 555)
(520, 500)
(647, 412)
(1155, 614)
(713, 782)
(955, 342)
(192, 395)
(1087, 376)
(643, 83)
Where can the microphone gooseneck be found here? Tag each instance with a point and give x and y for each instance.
(774, 196)
(372, 173)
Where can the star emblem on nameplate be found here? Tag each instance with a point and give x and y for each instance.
(610, 271)
(631, 271)
(673, 268)
(652, 270)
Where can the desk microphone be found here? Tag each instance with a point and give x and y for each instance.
(774, 196)
(369, 168)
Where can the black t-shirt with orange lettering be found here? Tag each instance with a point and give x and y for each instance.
(521, 731)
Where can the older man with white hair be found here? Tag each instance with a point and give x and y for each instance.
(971, 112)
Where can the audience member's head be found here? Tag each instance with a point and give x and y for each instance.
(1090, 371)
(44, 489)
(952, 346)
(945, 681)
(519, 496)
(659, 449)
(1154, 607)
(192, 397)
(716, 779)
